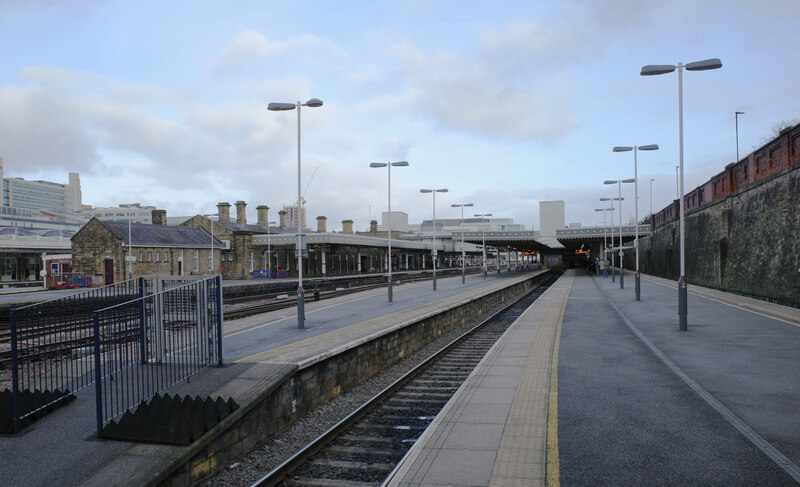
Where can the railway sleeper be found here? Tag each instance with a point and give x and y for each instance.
(309, 482)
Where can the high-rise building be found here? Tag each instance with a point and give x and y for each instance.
(42, 195)
(135, 212)
(291, 217)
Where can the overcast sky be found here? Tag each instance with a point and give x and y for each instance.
(503, 103)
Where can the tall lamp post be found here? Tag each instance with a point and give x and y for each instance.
(605, 243)
(483, 240)
(612, 200)
(619, 190)
(651, 200)
(269, 251)
(737, 133)
(130, 258)
(652, 70)
(209, 216)
(434, 252)
(279, 107)
(389, 165)
(463, 254)
(637, 285)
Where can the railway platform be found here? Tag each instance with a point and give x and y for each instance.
(590, 387)
(260, 351)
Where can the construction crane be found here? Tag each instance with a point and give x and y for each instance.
(303, 196)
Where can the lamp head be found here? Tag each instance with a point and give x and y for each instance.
(611, 182)
(426, 191)
(313, 103)
(280, 107)
(704, 65)
(649, 147)
(377, 164)
(400, 163)
(654, 69)
(443, 190)
(622, 149)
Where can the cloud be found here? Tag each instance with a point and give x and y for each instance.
(251, 47)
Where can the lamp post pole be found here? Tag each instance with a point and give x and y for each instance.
(130, 254)
(463, 254)
(434, 253)
(621, 253)
(209, 216)
(651, 200)
(483, 239)
(313, 102)
(737, 133)
(611, 200)
(269, 251)
(389, 165)
(637, 281)
(605, 243)
(651, 70)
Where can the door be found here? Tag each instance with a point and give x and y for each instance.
(109, 277)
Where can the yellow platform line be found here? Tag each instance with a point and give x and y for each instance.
(553, 462)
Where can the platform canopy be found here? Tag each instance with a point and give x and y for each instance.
(526, 241)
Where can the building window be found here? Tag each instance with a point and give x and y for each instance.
(149, 257)
(141, 256)
(211, 261)
(230, 257)
(158, 256)
(196, 266)
(166, 256)
(251, 261)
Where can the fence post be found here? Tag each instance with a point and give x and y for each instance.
(98, 374)
(142, 336)
(14, 374)
(219, 319)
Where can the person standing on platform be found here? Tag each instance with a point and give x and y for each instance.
(604, 267)
(597, 265)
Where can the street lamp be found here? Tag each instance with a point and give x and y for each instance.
(463, 255)
(737, 134)
(434, 252)
(651, 200)
(389, 165)
(269, 251)
(209, 215)
(637, 285)
(279, 107)
(612, 200)
(605, 244)
(619, 190)
(483, 240)
(651, 70)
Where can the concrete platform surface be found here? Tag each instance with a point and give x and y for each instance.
(632, 400)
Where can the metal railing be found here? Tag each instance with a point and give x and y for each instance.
(148, 344)
(52, 346)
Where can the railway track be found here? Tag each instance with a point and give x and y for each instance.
(364, 448)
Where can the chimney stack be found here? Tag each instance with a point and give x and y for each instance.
(322, 224)
(347, 226)
(241, 214)
(159, 217)
(282, 215)
(263, 215)
(224, 211)
(373, 227)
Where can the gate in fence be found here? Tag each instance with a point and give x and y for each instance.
(51, 351)
(148, 344)
(172, 324)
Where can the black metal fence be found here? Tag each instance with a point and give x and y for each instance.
(52, 345)
(148, 344)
